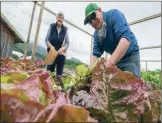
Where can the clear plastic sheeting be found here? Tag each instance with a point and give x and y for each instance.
(151, 66)
(35, 22)
(18, 14)
(148, 33)
(47, 19)
(75, 11)
(80, 44)
(151, 54)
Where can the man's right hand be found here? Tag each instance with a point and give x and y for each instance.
(94, 59)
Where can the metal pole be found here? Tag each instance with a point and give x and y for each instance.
(145, 19)
(29, 32)
(150, 60)
(143, 48)
(146, 65)
(37, 31)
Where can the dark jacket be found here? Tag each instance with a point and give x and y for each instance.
(55, 39)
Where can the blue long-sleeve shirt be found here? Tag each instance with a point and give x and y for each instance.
(66, 37)
(117, 28)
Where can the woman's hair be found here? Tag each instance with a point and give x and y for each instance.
(60, 14)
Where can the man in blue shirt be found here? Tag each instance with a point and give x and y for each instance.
(113, 35)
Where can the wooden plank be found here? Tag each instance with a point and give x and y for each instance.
(37, 31)
(12, 28)
(29, 32)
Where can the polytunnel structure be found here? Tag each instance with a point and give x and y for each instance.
(30, 93)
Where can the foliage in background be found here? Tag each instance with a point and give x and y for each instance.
(16, 57)
(71, 65)
(41, 52)
(153, 77)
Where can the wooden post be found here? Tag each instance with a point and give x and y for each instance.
(37, 31)
(30, 27)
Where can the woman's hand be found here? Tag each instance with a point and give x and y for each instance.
(61, 50)
(50, 45)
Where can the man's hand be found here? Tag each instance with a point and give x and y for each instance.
(93, 60)
(61, 50)
(120, 50)
(110, 63)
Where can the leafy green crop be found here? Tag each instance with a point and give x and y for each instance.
(68, 82)
(31, 94)
(82, 76)
(117, 96)
(152, 77)
(16, 57)
(13, 77)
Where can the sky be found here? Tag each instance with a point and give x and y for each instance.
(148, 33)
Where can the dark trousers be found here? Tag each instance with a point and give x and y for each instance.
(59, 64)
(132, 64)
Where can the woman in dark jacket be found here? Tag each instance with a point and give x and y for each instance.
(56, 35)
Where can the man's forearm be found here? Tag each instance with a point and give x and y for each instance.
(93, 60)
(120, 50)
